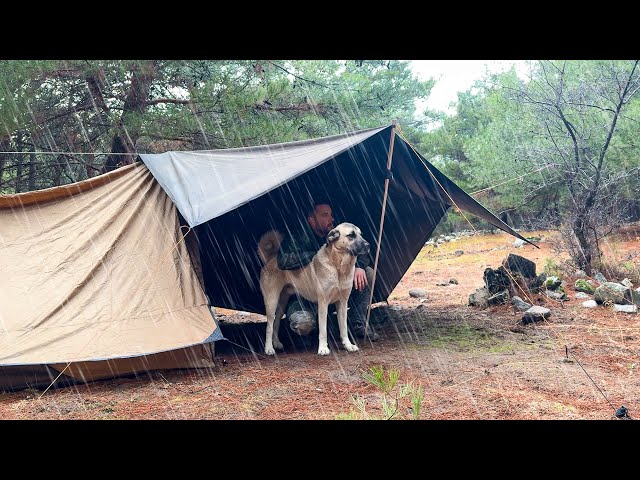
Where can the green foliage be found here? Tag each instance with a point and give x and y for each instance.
(159, 105)
(551, 268)
(393, 397)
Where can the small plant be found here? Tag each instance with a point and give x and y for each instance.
(393, 396)
(551, 268)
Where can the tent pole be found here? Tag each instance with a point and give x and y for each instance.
(384, 207)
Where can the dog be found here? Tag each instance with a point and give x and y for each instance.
(326, 280)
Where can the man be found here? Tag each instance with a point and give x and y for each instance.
(298, 249)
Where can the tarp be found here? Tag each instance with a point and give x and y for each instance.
(95, 280)
(232, 196)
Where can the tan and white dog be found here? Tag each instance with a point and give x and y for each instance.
(327, 279)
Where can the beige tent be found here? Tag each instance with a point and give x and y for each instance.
(96, 281)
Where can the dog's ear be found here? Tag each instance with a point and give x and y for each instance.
(333, 235)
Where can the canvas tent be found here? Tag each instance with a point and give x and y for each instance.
(95, 280)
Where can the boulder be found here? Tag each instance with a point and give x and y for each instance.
(499, 298)
(585, 286)
(520, 304)
(479, 298)
(417, 292)
(536, 314)
(614, 293)
(521, 265)
(496, 280)
(625, 308)
(589, 304)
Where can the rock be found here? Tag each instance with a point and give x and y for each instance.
(589, 304)
(599, 278)
(613, 292)
(552, 283)
(457, 253)
(556, 295)
(581, 273)
(582, 295)
(499, 298)
(627, 283)
(583, 285)
(626, 308)
(417, 292)
(536, 314)
(479, 298)
(635, 296)
(520, 304)
(537, 284)
(496, 280)
(453, 281)
(521, 265)
(519, 243)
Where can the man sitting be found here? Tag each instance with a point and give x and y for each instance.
(298, 249)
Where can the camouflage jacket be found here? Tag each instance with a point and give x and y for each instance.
(298, 249)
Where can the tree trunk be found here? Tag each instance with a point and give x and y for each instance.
(18, 163)
(5, 147)
(580, 231)
(124, 141)
(32, 169)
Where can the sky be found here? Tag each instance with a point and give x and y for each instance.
(455, 76)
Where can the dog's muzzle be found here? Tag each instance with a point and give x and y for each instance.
(361, 248)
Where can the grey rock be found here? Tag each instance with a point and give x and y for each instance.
(613, 292)
(556, 295)
(499, 298)
(581, 273)
(453, 281)
(635, 296)
(599, 277)
(589, 304)
(536, 314)
(520, 304)
(625, 308)
(582, 295)
(457, 253)
(627, 283)
(417, 293)
(479, 298)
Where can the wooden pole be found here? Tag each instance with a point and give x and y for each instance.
(384, 207)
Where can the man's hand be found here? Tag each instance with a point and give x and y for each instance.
(359, 279)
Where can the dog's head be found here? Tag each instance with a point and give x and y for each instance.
(348, 237)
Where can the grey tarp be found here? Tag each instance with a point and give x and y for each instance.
(209, 183)
(95, 281)
(232, 196)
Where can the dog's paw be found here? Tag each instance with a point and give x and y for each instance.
(277, 344)
(351, 347)
(269, 351)
(323, 350)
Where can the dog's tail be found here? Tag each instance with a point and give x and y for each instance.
(269, 245)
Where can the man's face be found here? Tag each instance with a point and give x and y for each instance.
(322, 220)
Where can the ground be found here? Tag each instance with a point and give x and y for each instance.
(469, 363)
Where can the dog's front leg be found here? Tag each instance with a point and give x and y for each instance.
(341, 307)
(323, 347)
(271, 305)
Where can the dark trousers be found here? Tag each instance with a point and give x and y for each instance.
(356, 315)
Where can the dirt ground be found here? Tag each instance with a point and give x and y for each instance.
(469, 363)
